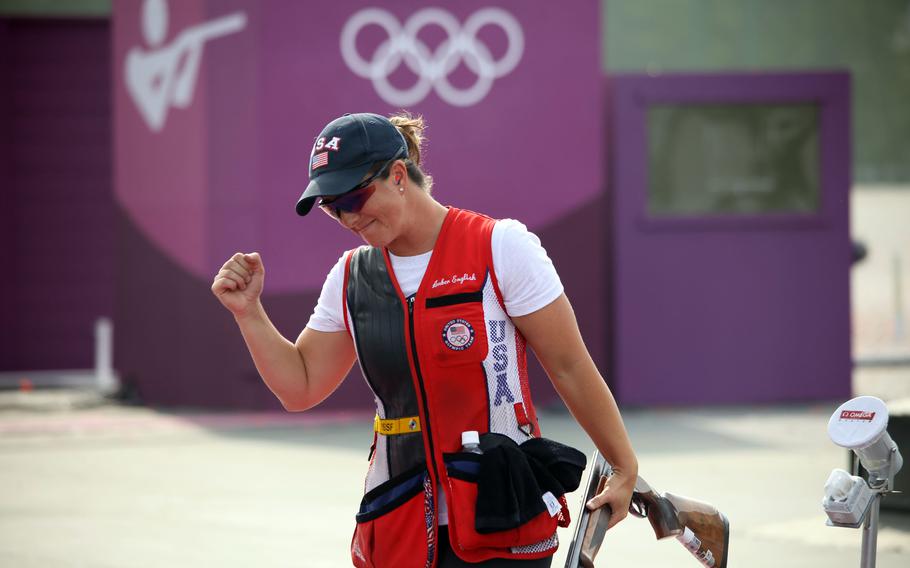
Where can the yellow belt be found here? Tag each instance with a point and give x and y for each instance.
(391, 426)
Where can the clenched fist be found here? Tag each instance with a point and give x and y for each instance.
(239, 282)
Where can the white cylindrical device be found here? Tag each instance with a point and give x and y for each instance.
(860, 424)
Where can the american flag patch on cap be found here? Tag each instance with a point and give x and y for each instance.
(319, 160)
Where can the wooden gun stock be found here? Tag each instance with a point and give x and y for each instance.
(700, 527)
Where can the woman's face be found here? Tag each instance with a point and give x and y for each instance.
(381, 220)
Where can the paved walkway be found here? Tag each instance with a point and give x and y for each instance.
(111, 486)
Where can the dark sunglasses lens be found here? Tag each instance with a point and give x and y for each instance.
(355, 200)
(351, 202)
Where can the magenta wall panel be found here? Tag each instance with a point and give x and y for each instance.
(57, 197)
(216, 105)
(8, 312)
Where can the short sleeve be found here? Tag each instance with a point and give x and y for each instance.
(328, 315)
(527, 278)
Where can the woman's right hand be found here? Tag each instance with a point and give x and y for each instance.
(239, 282)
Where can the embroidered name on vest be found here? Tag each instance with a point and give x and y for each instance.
(501, 356)
(455, 279)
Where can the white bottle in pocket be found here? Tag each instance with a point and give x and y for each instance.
(470, 442)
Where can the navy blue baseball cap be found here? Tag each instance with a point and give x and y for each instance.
(344, 152)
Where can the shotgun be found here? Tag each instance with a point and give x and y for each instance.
(701, 528)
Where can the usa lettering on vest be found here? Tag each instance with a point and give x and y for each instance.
(501, 356)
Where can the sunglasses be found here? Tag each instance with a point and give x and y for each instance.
(353, 200)
(350, 202)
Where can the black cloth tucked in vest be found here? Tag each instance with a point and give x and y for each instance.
(513, 479)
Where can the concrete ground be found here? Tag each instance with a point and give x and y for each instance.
(110, 486)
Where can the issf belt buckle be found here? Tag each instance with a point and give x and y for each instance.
(393, 426)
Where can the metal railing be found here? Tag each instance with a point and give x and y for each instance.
(102, 378)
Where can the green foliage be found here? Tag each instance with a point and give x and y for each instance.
(870, 39)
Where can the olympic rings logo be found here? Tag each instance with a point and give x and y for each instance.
(432, 67)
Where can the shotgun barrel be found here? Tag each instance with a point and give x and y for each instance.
(699, 526)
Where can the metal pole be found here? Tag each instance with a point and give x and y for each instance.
(870, 534)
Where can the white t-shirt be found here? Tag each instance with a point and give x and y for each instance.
(527, 278)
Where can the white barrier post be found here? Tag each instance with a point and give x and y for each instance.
(105, 379)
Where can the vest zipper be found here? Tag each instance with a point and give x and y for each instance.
(425, 425)
(423, 392)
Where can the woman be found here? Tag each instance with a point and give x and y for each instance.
(438, 309)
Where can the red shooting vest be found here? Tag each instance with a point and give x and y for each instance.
(447, 359)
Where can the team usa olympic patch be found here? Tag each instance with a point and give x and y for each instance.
(458, 335)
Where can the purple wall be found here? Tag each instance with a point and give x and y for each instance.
(222, 170)
(57, 196)
(731, 309)
(7, 305)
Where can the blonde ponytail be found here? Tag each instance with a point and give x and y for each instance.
(411, 127)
